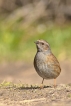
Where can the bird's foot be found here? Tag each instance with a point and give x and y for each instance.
(41, 86)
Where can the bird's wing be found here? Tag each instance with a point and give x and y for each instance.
(53, 63)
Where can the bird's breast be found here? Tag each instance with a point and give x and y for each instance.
(43, 68)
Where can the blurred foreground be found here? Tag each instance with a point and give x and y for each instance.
(19, 95)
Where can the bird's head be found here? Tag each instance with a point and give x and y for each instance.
(42, 45)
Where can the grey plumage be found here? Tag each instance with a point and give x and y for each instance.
(45, 63)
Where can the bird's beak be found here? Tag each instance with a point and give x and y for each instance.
(36, 42)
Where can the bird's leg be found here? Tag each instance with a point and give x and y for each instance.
(42, 81)
(54, 83)
(41, 86)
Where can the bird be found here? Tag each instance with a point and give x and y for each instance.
(45, 63)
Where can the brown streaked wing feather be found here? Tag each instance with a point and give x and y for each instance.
(53, 62)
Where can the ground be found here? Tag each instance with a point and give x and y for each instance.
(27, 95)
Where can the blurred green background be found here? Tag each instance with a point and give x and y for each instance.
(24, 21)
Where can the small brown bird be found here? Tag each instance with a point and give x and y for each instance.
(45, 63)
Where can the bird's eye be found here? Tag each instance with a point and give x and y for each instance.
(42, 43)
